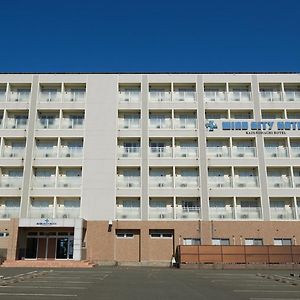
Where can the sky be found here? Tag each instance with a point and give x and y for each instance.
(150, 36)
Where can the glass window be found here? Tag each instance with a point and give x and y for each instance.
(220, 242)
(191, 241)
(253, 242)
(282, 242)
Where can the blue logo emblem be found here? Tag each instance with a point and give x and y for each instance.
(211, 125)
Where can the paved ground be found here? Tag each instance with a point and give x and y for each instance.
(116, 283)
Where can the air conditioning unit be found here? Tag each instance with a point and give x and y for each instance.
(72, 99)
(183, 155)
(221, 216)
(68, 155)
(183, 185)
(126, 126)
(11, 155)
(46, 155)
(5, 216)
(281, 216)
(297, 184)
(125, 155)
(16, 99)
(124, 216)
(70, 126)
(162, 216)
(130, 184)
(241, 185)
(44, 185)
(277, 185)
(45, 126)
(43, 216)
(245, 216)
(65, 216)
(274, 155)
(48, 100)
(7, 185)
(66, 185)
(161, 185)
(126, 99)
(241, 155)
(157, 126)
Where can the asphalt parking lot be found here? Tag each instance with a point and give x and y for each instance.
(124, 283)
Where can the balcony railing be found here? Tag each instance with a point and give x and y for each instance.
(248, 213)
(50, 96)
(48, 123)
(221, 213)
(242, 96)
(2, 95)
(43, 181)
(185, 123)
(215, 96)
(15, 123)
(246, 182)
(128, 213)
(243, 151)
(219, 182)
(19, 96)
(46, 151)
(186, 181)
(161, 213)
(9, 212)
(279, 182)
(130, 123)
(129, 152)
(67, 212)
(160, 152)
(282, 213)
(11, 181)
(130, 97)
(292, 96)
(160, 96)
(184, 96)
(128, 181)
(190, 152)
(72, 123)
(188, 212)
(297, 181)
(71, 152)
(74, 96)
(295, 151)
(41, 212)
(69, 181)
(218, 151)
(160, 182)
(160, 123)
(276, 151)
(13, 152)
(272, 96)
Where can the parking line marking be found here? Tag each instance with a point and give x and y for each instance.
(265, 291)
(71, 282)
(43, 287)
(274, 298)
(38, 295)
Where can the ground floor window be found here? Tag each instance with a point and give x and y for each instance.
(220, 242)
(191, 241)
(282, 242)
(253, 242)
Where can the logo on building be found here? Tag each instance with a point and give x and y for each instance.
(46, 222)
(211, 125)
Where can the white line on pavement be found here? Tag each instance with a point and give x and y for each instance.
(37, 295)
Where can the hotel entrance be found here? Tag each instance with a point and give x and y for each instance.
(49, 245)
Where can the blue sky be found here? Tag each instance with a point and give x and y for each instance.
(150, 36)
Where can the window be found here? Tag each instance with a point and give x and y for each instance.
(124, 235)
(4, 234)
(191, 241)
(220, 242)
(253, 242)
(161, 234)
(282, 242)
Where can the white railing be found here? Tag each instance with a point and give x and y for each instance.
(129, 152)
(242, 96)
(276, 151)
(41, 212)
(186, 181)
(185, 123)
(292, 96)
(246, 181)
(11, 181)
(2, 95)
(160, 152)
(215, 96)
(71, 152)
(243, 151)
(70, 123)
(74, 96)
(48, 123)
(184, 96)
(160, 182)
(183, 152)
(46, 151)
(50, 96)
(271, 96)
(9, 212)
(13, 152)
(218, 151)
(282, 213)
(15, 123)
(128, 213)
(188, 212)
(128, 181)
(160, 123)
(127, 123)
(279, 182)
(295, 151)
(160, 96)
(297, 181)
(43, 181)
(69, 181)
(19, 96)
(221, 213)
(129, 97)
(67, 212)
(248, 213)
(219, 182)
(161, 212)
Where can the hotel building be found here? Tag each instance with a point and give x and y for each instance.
(126, 167)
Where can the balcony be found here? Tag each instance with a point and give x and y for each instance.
(292, 96)
(185, 123)
(46, 151)
(128, 181)
(214, 96)
(270, 96)
(48, 123)
(43, 181)
(71, 152)
(11, 182)
(160, 182)
(252, 213)
(160, 123)
(128, 123)
(246, 181)
(129, 152)
(17, 152)
(219, 182)
(74, 95)
(160, 96)
(9, 212)
(282, 213)
(243, 151)
(72, 123)
(295, 152)
(186, 152)
(16, 123)
(223, 151)
(188, 212)
(50, 95)
(221, 213)
(2, 94)
(297, 181)
(129, 96)
(160, 152)
(280, 151)
(186, 181)
(184, 96)
(160, 213)
(128, 213)
(67, 212)
(69, 181)
(242, 96)
(19, 95)
(279, 182)
(41, 212)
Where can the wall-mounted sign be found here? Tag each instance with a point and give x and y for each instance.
(46, 222)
